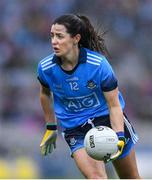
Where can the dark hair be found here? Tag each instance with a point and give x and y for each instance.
(80, 24)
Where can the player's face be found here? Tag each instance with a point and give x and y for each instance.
(62, 42)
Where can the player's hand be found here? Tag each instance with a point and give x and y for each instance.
(121, 144)
(48, 142)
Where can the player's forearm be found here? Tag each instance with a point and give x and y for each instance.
(47, 109)
(116, 118)
(115, 110)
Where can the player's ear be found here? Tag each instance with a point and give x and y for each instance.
(76, 38)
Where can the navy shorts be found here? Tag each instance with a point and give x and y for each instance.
(75, 137)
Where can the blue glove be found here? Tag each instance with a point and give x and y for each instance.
(48, 142)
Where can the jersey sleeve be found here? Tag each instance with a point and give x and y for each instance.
(41, 76)
(108, 78)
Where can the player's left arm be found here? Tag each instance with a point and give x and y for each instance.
(116, 118)
(115, 110)
(109, 86)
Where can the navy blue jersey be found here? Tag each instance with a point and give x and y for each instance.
(78, 94)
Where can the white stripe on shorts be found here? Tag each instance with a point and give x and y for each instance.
(133, 135)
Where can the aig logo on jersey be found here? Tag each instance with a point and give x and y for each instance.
(80, 103)
(91, 84)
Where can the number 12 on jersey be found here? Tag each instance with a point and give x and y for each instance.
(74, 86)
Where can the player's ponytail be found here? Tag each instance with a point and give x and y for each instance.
(91, 39)
(80, 24)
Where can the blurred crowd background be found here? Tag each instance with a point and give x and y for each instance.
(25, 40)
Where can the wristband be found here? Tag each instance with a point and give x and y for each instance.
(121, 136)
(51, 126)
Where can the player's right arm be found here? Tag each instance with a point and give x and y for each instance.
(46, 100)
(48, 142)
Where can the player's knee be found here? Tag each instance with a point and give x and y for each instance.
(130, 176)
(96, 175)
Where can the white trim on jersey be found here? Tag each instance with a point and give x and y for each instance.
(91, 58)
(95, 56)
(50, 57)
(93, 63)
(134, 137)
(47, 67)
(46, 64)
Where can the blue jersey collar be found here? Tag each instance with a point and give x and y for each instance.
(82, 57)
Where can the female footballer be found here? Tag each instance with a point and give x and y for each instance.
(81, 84)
